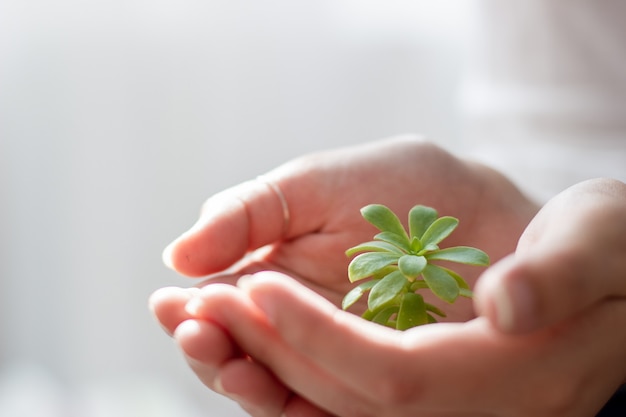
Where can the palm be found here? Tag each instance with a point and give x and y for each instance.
(326, 191)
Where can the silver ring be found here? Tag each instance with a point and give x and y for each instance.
(283, 202)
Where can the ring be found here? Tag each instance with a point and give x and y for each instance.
(283, 202)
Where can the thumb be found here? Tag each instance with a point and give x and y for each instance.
(520, 294)
(232, 222)
(574, 255)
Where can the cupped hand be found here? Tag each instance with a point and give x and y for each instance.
(280, 349)
(301, 356)
(324, 192)
(571, 257)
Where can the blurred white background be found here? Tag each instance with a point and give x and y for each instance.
(119, 117)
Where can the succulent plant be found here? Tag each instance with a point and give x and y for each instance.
(401, 264)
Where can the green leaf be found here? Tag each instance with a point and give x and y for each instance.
(439, 230)
(399, 241)
(383, 272)
(373, 246)
(416, 244)
(460, 254)
(459, 279)
(435, 309)
(384, 219)
(464, 292)
(420, 217)
(430, 247)
(412, 312)
(386, 291)
(395, 260)
(418, 285)
(356, 293)
(411, 265)
(368, 315)
(366, 264)
(384, 315)
(442, 284)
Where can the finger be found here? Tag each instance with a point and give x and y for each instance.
(443, 367)
(248, 327)
(399, 372)
(168, 306)
(255, 388)
(206, 347)
(317, 190)
(232, 222)
(259, 392)
(220, 365)
(562, 266)
(205, 342)
(523, 294)
(344, 345)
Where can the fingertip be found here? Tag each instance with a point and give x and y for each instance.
(248, 216)
(209, 297)
(253, 386)
(166, 256)
(205, 347)
(504, 296)
(165, 296)
(266, 281)
(194, 307)
(187, 329)
(274, 293)
(492, 301)
(218, 239)
(204, 342)
(483, 303)
(167, 306)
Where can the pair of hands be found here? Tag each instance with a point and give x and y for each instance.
(543, 338)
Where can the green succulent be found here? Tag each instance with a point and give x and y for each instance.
(400, 264)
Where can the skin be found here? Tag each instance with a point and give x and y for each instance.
(542, 339)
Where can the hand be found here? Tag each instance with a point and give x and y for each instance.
(587, 339)
(280, 349)
(571, 257)
(324, 193)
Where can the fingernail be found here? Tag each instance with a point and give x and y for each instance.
(167, 256)
(244, 281)
(504, 308)
(515, 305)
(193, 291)
(193, 306)
(254, 286)
(217, 386)
(161, 294)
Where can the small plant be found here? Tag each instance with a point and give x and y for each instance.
(400, 264)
